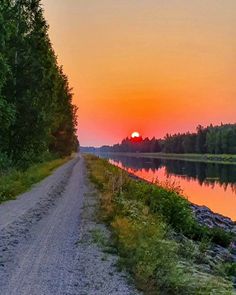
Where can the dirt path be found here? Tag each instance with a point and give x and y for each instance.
(46, 240)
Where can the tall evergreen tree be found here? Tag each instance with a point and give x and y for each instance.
(35, 98)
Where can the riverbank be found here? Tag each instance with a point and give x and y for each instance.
(204, 215)
(158, 238)
(205, 158)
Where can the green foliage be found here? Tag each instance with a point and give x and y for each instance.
(174, 208)
(36, 110)
(99, 238)
(152, 255)
(5, 163)
(15, 181)
(220, 237)
(204, 233)
(99, 185)
(167, 202)
(147, 230)
(230, 268)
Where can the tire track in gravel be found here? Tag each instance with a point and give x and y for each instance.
(28, 229)
(40, 253)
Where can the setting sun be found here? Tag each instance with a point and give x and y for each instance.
(135, 134)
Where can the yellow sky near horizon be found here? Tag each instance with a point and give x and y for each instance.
(147, 65)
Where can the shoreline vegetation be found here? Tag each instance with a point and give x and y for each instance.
(16, 181)
(205, 158)
(158, 239)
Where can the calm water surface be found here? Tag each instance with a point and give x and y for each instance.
(212, 185)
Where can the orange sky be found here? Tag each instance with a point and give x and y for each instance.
(148, 65)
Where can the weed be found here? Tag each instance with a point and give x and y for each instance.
(99, 237)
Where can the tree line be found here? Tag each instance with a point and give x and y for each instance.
(211, 139)
(37, 116)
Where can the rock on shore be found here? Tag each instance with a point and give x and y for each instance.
(211, 219)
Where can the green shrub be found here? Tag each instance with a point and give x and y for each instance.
(5, 163)
(216, 235)
(230, 268)
(148, 255)
(173, 208)
(220, 236)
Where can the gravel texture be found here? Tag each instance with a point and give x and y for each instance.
(51, 243)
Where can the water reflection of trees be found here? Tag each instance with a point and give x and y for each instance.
(208, 174)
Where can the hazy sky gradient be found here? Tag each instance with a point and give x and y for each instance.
(153, 66)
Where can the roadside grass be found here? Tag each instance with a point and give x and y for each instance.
(156, 236)
(99, 238)
(15, 182)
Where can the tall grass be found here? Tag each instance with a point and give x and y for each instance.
(147, 222)
(14, 182)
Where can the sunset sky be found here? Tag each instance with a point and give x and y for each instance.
(153, 66)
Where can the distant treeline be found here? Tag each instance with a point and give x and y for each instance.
(37, 116)
(212, 139)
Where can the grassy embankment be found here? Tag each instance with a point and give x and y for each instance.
(15, 181)
(158, 240)
(206, 158)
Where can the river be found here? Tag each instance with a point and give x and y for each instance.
(209, 184)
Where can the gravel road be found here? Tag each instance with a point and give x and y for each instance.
(47, 243)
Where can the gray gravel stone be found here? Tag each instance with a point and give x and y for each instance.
(41, 252)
